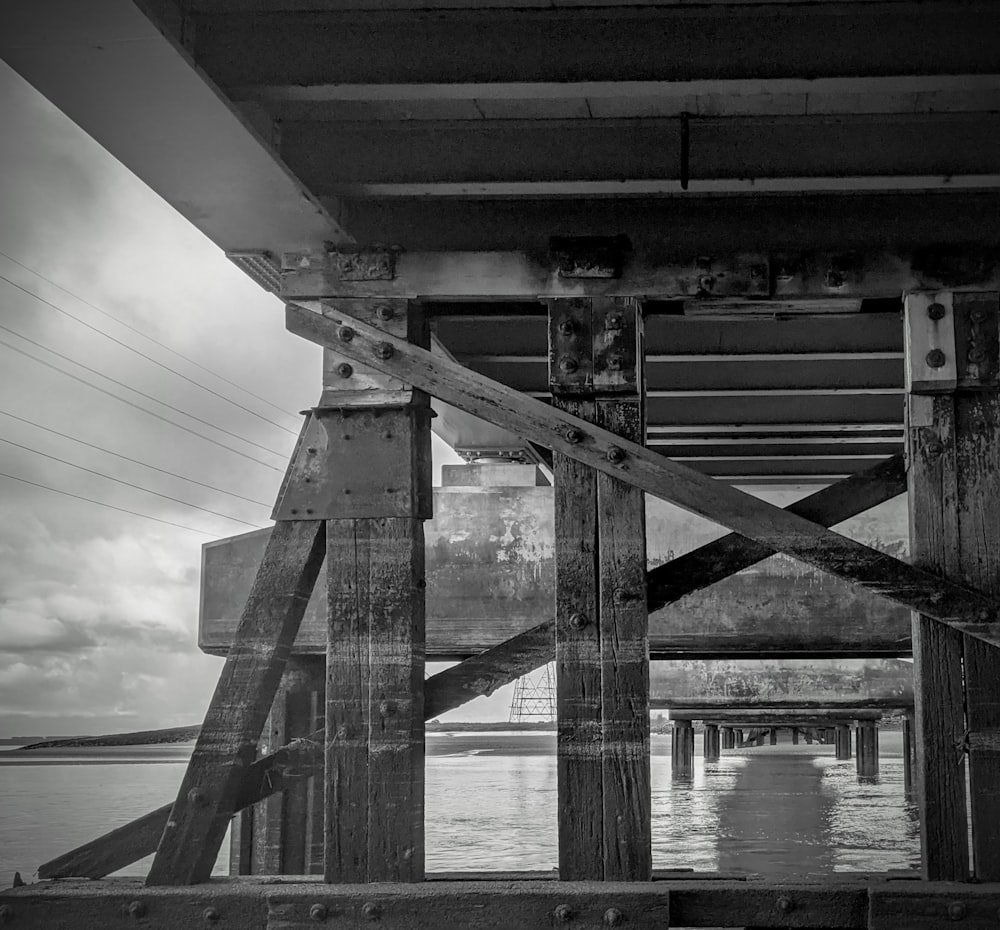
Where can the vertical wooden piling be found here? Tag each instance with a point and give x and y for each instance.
(602, 653)
(842, 741)
(868, 749)
(710, 742)
(728, 737)
(772, 736)
(795, 736)
(954, 471)
(377, 445)
(682, 749)
(908, 753)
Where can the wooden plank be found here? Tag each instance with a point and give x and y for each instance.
(624, 650)
(739, 274)
(226, 745)
(945, 601)
(717, 560)
(578, 665)
(385, 158)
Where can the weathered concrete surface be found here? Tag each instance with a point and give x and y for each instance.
(491, 570)
(797, 683)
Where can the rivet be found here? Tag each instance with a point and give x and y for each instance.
(977, 354)
(578, 621)
(384, 313)
(568, 365)
(785, 905)
(210, 914)
(293, 511)
(371, 910)
(613, 917)
(345, 370)
(311, 450)
(309, 511)
(956, 910)
(390, 490)
(196, 796)
(6, 913)
(318, 912)
(936, 311)
(935, 358)
(346, 334)
(384, 351)
(573, 435)
(567, 328)
(137, 909)
(615, 455)
(563, 912)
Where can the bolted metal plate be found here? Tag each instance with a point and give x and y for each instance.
(929, 333)
(571, 364)
(915, 907)
(616, 327)
(358, 462)
(976, 340)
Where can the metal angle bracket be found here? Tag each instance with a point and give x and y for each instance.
(360, 462)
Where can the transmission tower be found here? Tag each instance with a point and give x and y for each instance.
(534, 697)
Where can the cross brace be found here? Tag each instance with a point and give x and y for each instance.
(773, 527)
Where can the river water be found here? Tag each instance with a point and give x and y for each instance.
(491, 805)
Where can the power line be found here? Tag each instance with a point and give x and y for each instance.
(152, 413)
(128, 484)
(139, 332)
(89, 500)
(127, 387)
(162, 471)
(149, 358)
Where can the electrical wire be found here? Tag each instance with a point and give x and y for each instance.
(90, 500)
(156, 400)
(152, 413)
(120, 455)
(148, 358)
(128, 484)
(139, 332)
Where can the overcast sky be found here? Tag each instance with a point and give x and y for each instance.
(99, 608)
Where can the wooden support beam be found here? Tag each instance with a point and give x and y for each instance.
(949, 603)
(823, 279)
(867, 733)
(682, 750)
(953, 409)
(711, 743)
(284, 49)
(227, 743)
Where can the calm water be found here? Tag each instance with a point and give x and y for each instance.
(491, 805)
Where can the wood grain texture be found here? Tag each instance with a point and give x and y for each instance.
(227, 743)
(578, 665)
(781, 530)
(937, 652)
(624, 646)
(723, 557)
(374, 743)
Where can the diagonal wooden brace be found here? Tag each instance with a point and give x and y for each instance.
(777, 529)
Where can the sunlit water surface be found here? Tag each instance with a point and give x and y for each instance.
(491, 805)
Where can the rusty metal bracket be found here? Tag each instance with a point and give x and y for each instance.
(589, 256)
(365, 263)
(360, 462)
(594, 345)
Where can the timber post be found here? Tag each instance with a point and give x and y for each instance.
(682, 750)
(728, 738)
(908, 752)
(842, 741)
(867, 749)
(602, 648)
(953, 438)
(710, 742)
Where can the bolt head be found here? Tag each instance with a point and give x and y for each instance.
(613, 917)
(384, 313)
(957, 910)
(936, 311)
(563, 913)
(978, 315)
(346, 334)
(573, 435)
(137, 909)
(197, 797)
(936, 358)
(211, 914)
(934, 448)
(578, 621)
(977, 354)
(613, 322)
(318, 912)
(384, 351)
(311, 450)
(615, 455)
(344, 370)
(371, 910)
(567, 328)
(568, 365)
